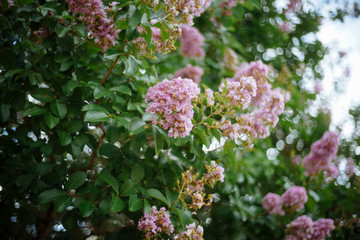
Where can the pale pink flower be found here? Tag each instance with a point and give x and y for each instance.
(155, 222)
(322, 228)
(191, 232)
(192, 42)
(300, 229)
(294, 198)
(272, 202)
(192, 72)
(171, 100)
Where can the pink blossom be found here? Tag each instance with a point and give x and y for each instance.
(322, 152)
(293, 5)
(99, 26)
(215, 173)
(272, 202)
(300, 229)
(229, 129)
(296, 160)
(294, 198)
(285, 27)
(155, 222)
(332, 172)
(318, 87)
(239, 91)
(192, 42)
(192, 72)
(322, 228)
(171, 100)
(191, 232)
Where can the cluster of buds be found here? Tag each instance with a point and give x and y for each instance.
(158, 45)
(192, 232)
(183, 11)
(193, 187)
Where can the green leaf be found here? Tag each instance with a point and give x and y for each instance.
(33, 110)
(49, 195)
(202, 135)
(134, 16)
(109, 179)
(43, 95)
(81, 29)
(104, 206)
(130, 66)
(65, 138)
(96, 116)
(99, 92)
(159, 141)
(62, 202)
(182, 141)
(90, 107)
(109, 150)
(61, 30)
(137, 173)
(135, 203)
(59, 109)
(154, 193)
(184, 217)
(116, 204)
(76, 180)
(86, 208)
(128, 188)
(136, 126)
(69, 220)
(121, 89)
(113, 130)
(51, 120)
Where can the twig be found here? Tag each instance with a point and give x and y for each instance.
(110, 70)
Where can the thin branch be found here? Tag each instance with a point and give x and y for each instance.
(110, 70)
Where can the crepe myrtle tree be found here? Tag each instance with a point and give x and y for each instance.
(149, 119)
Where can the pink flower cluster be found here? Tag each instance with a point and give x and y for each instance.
(293, 199)
(171, 100)
(229, 129)
(214, 173)
(303, 228)
(293, 5)
(239, 91)
(192, 72)
(350, 167)
(322, 152)
(155, 222)
(272, 202)
(99, 26)
(285, 27)
(187, 9)
(192, 232)
(192, 42)
(227, 6)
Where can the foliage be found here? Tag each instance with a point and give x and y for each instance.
(82, 155)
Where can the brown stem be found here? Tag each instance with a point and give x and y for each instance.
(95, 151)
(110, 70)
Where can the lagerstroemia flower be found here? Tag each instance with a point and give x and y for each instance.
(171, 100)
(187, 9)
(192, 232)
(350, 167)
(322, 152)
(214, 173)
(294, 198)
(332, 172)
(99, 26)
(300, 229)
(272, 202)
(192, 42)
(192, 72)
(322, 228)
(155, 222)
(240, 91)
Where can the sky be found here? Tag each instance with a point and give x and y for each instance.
(341, 73)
